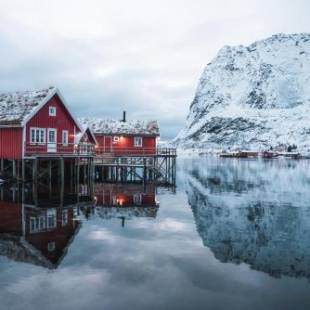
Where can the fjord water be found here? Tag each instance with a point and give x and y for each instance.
(235, 234)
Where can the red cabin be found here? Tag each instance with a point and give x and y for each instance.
(39, 123)
(124, 138)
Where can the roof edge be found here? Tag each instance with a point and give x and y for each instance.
(43, 103)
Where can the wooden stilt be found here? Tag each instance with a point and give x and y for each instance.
(23, 170)
(62, 180)
(35, 170)
(14, 169)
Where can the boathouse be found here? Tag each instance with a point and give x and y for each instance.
(36, 123)
(124, 138)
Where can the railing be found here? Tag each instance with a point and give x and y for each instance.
(135, 151)
(86, 149)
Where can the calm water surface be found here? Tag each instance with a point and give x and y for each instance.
(234, 235)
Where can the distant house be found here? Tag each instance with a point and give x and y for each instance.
(39, 123)
(122, 138)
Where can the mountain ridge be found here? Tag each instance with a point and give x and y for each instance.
(255, 96)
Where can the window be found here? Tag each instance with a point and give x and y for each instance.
(52, 111)
(37, 224)
(65, 135)
(51, 246)
(51, 218)
(33, 224)
(137, 199)
(37, 135)
(64, 219)
(114, 200)
(51, 135)
(137, 142)
(75, 212)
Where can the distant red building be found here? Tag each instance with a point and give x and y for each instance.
(124, 138)
(39, 123)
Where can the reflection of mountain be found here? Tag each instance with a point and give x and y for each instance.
(126, 202)
(254, 212)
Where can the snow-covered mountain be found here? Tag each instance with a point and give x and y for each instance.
(253, 96)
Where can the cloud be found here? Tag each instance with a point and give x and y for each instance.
(141, 56)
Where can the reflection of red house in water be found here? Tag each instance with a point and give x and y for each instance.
(51, 231)
(36, 235)
(125, 201)
(122, 138)
(129, 195)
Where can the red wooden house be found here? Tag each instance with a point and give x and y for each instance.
(39, 123)
(124, 138)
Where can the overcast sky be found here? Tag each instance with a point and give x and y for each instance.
(142, 56)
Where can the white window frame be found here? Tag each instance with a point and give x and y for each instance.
(52, 111)
(137, 141)
(137, 199)
(33, 226)
(51, 218)
(51, 246)
(63, 137)
(37, 135)
(48, 135)
(64, 217)
(37, 223)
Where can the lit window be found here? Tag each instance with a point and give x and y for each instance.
(52, 111)
(65, 135)
(137, 142)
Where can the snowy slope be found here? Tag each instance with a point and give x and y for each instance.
(253, 97)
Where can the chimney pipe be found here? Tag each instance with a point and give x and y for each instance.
(124, 116)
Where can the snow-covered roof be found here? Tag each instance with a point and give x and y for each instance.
(17, 106)
(84, 128)
(115, 127)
